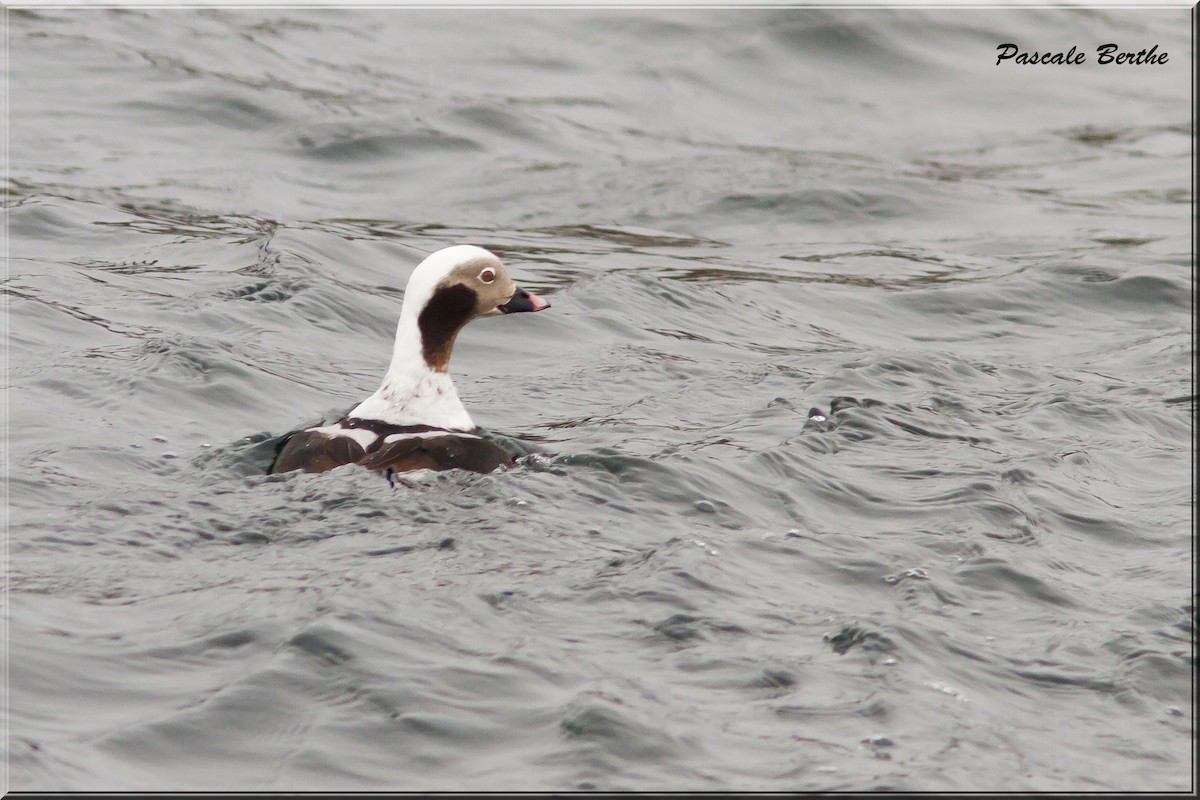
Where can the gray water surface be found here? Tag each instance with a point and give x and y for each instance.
(976, 574)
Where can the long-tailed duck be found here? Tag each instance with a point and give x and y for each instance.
(415, 420)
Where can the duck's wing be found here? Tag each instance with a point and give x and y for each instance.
(450, 451)
(314, 451)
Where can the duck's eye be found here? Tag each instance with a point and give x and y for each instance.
(488, 275)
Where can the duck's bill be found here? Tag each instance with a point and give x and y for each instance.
(523, 301)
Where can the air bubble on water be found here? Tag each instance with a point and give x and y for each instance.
(916, 574)
(889, 662)
(518, 502)
(1174, 711)
(712, 552)
(949, 690)
(206, 444)
(706, 507)
(169, 455)
(160, 439)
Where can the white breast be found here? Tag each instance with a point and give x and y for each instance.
(424, 398)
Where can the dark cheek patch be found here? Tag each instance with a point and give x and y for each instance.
(442, 318)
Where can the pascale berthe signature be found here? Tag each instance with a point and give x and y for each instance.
(1105, 54)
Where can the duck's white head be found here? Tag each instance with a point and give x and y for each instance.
(452, 287)
(446, 291)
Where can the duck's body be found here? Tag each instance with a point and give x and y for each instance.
(415, 420)
(392, 448)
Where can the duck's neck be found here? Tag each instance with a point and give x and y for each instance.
(413, 392)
